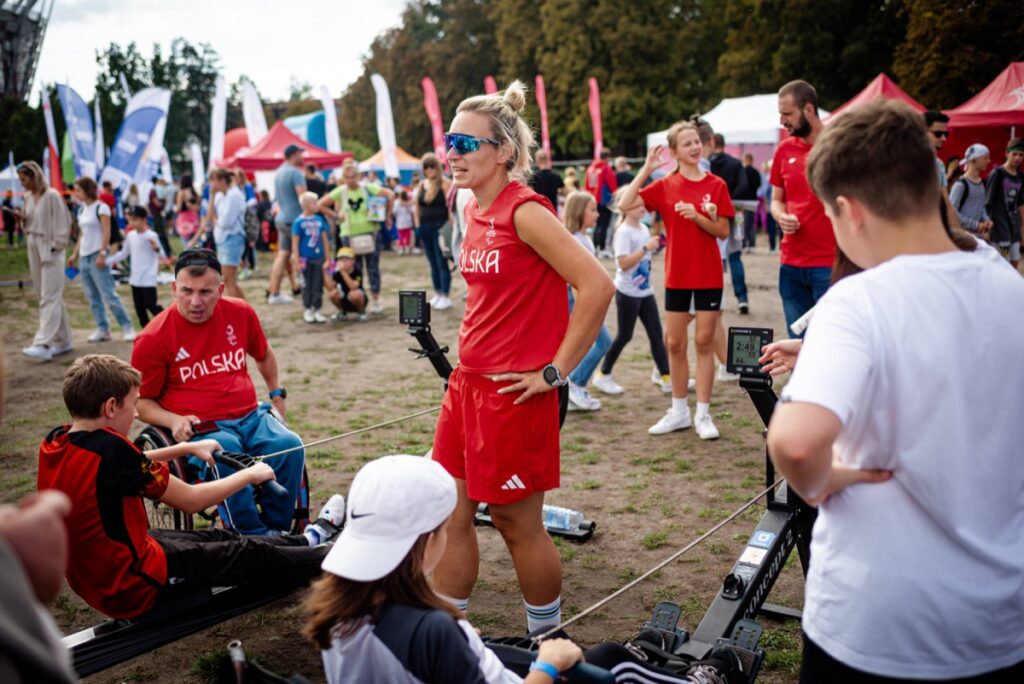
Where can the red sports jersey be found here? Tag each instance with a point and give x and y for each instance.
(202, 369)
(814, 244)
(692, 258)
(517, 309)
(113, 563)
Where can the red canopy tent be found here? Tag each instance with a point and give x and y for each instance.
(268, 153)
(989, 116)
(881, 86)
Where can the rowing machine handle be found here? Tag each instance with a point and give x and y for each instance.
(270, 488)
(585, 673)
(274, 489)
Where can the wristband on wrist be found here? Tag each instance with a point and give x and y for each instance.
(547, 668)
(279, 392)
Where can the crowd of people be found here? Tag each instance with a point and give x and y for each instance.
(891, 274)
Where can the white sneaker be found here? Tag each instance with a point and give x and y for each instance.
(670, 422)
(706, 427)
(663, 382)
(57, 351)
(442, 303)
(38, 351)
(691, 385)
(129, 334)
(330, 522)
(606, 384)
(433, 300)
(363, 317)
(580, 399)
(279, 298)
(307, 316)
(375, 308)
(725, 376)
(319, 317)
(99, 335)
(339, 317)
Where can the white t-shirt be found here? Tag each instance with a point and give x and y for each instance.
(92, 229)
(230, 207)
(923, 575)
(584, 239)
(403, 215)
(636, 282)
(145, 260)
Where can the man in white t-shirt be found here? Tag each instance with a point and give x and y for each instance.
(899, 426)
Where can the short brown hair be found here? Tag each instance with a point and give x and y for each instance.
(221, 175)
(879, 154)
(802, 92)
(94, 378)
(88, 187)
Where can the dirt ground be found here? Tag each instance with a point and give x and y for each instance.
(649, 495)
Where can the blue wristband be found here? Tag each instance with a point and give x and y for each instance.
(547, 668)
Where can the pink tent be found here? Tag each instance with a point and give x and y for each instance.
(991, 116)
(268, 153)
(882, 86)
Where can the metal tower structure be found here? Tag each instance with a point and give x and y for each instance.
(22, 27)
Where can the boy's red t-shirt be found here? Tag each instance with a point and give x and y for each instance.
(814, 244)
(113, 563)
(692, 258)
(201, 369)
(517, 309)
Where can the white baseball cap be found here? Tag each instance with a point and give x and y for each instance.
(392, 501)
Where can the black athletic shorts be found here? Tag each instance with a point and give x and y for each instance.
(683, 301)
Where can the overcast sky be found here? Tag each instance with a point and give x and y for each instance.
(270, 41)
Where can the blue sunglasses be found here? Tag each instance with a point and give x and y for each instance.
(464, 144)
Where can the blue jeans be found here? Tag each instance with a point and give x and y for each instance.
(99, 290)
(255, 433)
(582, 373)
(738, 276)
(800, 289)
(439, 273)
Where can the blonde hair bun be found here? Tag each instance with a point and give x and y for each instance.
(515, 96)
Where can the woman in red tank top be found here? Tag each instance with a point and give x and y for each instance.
(498, 429)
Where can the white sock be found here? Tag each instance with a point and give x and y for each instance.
(461, 604)
(703, 408)
(679, 406)
(543, 617)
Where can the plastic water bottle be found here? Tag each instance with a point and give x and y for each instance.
(558, 518)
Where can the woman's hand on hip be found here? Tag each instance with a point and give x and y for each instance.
(529, 384)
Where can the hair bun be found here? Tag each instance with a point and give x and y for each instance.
(515, 96)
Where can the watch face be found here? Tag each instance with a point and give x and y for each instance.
(550, 375)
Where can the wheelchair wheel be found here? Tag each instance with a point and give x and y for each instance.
(160, 515)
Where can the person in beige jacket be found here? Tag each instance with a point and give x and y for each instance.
(48, 226)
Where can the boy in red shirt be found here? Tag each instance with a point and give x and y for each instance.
(116, 563)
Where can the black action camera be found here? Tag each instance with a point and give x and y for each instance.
(745, 346)
(413, 309)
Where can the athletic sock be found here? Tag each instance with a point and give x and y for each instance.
(334, 513)
(543, 617)
(679, 406)
(461, 604)
(703, 408)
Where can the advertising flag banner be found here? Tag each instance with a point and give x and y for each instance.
(595, 117)
(51, 159)
(542, 104)
(67, 160)
(79, 126)
(331, 130)
(385, 126)
(98, 155)
(252, 113)
(490, 85)
(142, 118)
(433, 108)
(198, 172)
(218, 123)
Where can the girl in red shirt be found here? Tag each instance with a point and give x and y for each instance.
(498, 429)
(695, 207)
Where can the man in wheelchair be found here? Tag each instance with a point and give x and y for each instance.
(196, 384)
(116, 563)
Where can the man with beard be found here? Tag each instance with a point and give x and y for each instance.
(808, 243)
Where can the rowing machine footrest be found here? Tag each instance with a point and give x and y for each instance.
(743, 642)
(665, 620)
(582, 534)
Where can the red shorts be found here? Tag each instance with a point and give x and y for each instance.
(504, 452)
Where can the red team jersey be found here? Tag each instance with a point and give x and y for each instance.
(692, 258)
(113, 563)
(517, 310)
(202, 369)
(814, 244)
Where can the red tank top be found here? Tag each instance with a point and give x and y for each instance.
(517, 309)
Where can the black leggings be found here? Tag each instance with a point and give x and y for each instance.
(628, 310)
(145, 303)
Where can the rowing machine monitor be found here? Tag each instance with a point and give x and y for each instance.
(745, 346)
(413, 309)
(414, 312)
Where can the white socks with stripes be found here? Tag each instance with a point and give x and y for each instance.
(543, 617)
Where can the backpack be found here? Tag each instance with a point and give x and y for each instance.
(967, 191)
(252, 225)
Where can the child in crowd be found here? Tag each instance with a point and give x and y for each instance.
(580, 217)
(634, 297)
(377, 618)
(116, 563)
(968, 193)
(405, 208)
(142, 246)
(346, 289)
(310, 240)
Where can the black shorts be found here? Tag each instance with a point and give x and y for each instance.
(685, 301)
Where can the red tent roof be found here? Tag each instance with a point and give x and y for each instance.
(1000, 103)
(882, 86)
(268, 153)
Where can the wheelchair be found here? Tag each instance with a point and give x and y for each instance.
(162, 516)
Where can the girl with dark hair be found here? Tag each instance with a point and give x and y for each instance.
(431, 213)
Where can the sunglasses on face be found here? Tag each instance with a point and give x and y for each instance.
(940, 134)
(464, 144)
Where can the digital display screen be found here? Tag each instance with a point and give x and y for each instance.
(746, 349)
(412, 308)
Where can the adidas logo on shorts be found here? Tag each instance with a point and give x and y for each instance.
(182, 354)
(513, 483)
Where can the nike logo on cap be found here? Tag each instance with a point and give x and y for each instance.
(356, 516)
